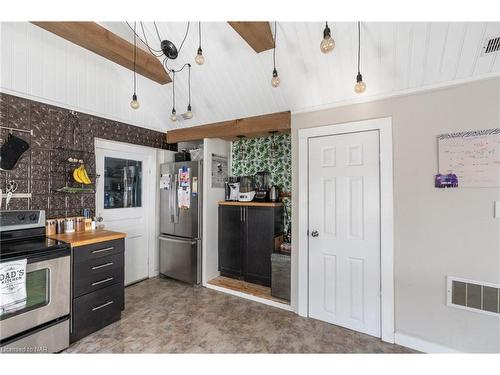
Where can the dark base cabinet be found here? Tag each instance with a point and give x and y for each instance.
(247, 239)
(98, 287)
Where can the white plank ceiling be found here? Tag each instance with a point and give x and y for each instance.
(235, 81)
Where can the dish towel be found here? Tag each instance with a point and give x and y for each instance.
(12, 285)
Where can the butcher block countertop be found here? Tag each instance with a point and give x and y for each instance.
(252, 204)
(88, 237)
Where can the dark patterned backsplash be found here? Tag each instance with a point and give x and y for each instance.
(59, 134)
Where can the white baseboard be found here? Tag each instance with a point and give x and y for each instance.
(250, 297)
(421, 345)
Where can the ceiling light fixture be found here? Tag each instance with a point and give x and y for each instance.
(360, 86)
(200, 59)
(327, 44)
(275, 81)
(134, 103)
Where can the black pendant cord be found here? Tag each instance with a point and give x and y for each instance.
(189, 86)
(173, 91)
(274, 48)
(157, 32)
(359, 43)
(165, 60)
(199, 34)
(135, 56)
(152, 50)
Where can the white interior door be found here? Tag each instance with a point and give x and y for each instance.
(344, 230)
(123, 202)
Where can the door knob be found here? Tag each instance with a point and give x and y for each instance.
(99, 218)
(315, 233)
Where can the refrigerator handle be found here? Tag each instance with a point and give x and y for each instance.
(170, 198)
(176, 200)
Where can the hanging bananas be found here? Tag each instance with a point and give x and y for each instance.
(80, 175)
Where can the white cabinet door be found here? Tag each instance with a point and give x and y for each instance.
(344, 230)
(123, 204)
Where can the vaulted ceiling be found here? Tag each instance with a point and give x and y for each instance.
(235, 81)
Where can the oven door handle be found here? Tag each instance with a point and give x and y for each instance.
(102, 281)
(103, 305)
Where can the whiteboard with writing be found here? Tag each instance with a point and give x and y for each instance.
(473, 156)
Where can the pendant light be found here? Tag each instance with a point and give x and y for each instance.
(189, 113)
(360, 86)
(275, 81)
(173, 116)
(134, 103)
(200, 59)
(327, 44)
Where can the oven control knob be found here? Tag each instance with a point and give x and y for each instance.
(33, 217)
(20, 217)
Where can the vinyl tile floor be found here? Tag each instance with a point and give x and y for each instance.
(166, 316)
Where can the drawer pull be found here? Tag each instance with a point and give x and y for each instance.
(102, 250)
(101, 306)
(102, 265)
(102, 281)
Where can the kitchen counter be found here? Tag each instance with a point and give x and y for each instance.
(250, 204)
(88, 237)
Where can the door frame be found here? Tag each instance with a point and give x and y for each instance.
(301, 270)
(150, 183)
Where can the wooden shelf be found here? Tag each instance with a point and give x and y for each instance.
(87, 237)
(250, 204)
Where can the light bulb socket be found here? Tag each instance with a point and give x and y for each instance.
(173, 111)
(189, 108)
(134, 97)
(200, 51)
(327, 33)
(275, 72)
(359, 77)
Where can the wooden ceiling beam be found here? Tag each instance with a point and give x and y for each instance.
(250, 127)
(103, 42)
(257, 34)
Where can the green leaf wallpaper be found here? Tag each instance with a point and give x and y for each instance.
(250, 156)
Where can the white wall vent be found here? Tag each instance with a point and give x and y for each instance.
(473, 295)
(491, 45)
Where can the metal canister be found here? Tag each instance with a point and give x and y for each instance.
(59, 226)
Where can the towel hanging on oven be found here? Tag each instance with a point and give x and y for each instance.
(11, 151)
(12, 285)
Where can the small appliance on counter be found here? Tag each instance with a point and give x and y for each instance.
(274, 194)
(261, 182)
(247, 190)
(232, 186)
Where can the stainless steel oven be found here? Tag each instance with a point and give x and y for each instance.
(42, 324)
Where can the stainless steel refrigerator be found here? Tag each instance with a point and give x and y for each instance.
(181, 220)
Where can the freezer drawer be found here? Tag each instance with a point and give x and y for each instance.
(180, 259)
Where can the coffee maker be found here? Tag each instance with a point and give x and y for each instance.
(232, 188)
(261, 181)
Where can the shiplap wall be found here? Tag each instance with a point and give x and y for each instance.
(42, 66)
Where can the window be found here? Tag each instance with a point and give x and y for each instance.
(122, 183)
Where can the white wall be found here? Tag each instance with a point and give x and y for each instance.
(437, 232)
(211, 196)
(39, 65)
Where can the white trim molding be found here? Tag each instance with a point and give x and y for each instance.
(421, 345)
(301, 272)
(250, 297)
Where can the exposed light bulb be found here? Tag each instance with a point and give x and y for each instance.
(134, 103)
(189, 113)
(173, 116)
(275, 81)
(327, 44)
(200, 59)
(360, 86)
